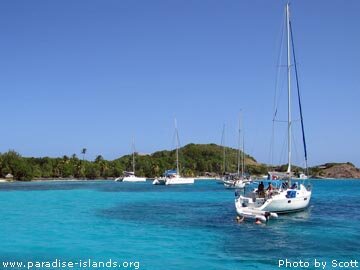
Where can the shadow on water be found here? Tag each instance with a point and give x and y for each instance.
(181, 214)
(105, 186)
(42, 185)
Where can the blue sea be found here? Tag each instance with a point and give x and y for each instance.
(141, 226)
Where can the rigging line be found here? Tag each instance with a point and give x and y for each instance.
(277, 79)
(133, 153)
(178, 138)
(271, 152)
(294, 144)
(283, 149)
(178, 147)
(254, 139)
(243, 155)
(280, 121)
(223, 146)
(174, 141)
(283, 86)
(239, 145)
(284, 121)
(222, 136)
(280, 53)
(299, 98)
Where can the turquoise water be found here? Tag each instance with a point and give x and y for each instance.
(171, 227)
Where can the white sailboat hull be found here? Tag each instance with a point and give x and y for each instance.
(130, 179)
(134, 179)
(278, 203)
(178, 180)
(235, 184)
(285, 205)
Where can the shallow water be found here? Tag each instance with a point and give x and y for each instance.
(171, 227)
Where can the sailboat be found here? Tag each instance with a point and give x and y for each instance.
(238, 180)
(288, 196)
(129, 176)
(173, 177)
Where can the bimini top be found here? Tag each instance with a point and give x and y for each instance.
(128, 173)
(170, 172)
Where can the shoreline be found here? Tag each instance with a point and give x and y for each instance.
(151, 179)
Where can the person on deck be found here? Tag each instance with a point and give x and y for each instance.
(270, 187)
(260, 189)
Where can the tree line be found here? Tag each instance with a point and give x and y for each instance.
(195, 160)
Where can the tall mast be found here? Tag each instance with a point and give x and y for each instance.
(239, 147)
(177, 147)
(133, 154)
(243, 155)
(289, 85)
(223, 145)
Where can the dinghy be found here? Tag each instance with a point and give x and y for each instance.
(251, 213)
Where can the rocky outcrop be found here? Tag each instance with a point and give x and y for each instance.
(336, 170)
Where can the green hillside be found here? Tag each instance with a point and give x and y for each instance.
(195, 159)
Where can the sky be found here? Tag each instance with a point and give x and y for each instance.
(95, 74)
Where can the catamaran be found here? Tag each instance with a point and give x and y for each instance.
(173, 177)
(129, 176)
(288, 196)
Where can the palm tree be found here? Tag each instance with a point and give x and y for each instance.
(104, 168)
(99, 158)
(83, 152)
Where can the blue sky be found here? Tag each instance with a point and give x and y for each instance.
(95, 74)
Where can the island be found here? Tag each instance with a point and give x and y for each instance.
(195, 160)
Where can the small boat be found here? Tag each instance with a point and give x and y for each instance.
(239, 183)
(251, 213)
(173, 177)
(176, 179)
(129, 176)
(160, 180)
